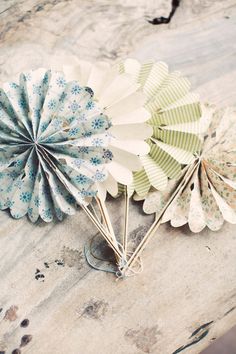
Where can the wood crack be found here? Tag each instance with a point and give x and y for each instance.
(197, 335)
(163, 20)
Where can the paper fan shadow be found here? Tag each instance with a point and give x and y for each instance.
(53, 145)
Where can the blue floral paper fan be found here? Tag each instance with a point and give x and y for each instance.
(53, 145)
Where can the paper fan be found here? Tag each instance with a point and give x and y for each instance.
(175, 114)
(206, 194)
(121, 99)
(53, 145)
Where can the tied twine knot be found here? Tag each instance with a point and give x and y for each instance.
(124, 269)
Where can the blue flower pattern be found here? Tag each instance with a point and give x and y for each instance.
(95, 161)
(75, 90)
(73, 132)
(81, 179)
(52, 104)
(90, 105)
(53, 129)
(97, 123)
(25, 197)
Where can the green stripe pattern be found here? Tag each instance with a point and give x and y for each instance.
(175, 114)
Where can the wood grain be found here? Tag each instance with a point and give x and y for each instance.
(186, 294)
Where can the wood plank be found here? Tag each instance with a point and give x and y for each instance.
(186, 295)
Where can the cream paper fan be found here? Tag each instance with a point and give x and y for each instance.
(207, 190)
(175, 114)
(123, 102)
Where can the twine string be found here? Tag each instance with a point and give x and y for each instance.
(125, 271)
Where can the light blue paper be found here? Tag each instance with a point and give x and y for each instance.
(53, 145)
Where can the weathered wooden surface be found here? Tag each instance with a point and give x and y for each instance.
(186, 295)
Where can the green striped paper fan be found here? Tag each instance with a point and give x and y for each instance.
(175, 114)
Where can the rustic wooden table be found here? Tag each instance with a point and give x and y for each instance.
(186, 294)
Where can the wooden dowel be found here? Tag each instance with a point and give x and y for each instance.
(157, 221)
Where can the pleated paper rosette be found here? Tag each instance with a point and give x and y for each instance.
(206, 192)
(53, 145)
(156, 107)
(175, 114)
(123, 101)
